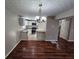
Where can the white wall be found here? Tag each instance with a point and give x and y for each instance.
(65, 14)
(42, 26)
(11, 31)
(52, 29)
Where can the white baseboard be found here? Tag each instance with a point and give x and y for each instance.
(71, 40)
(12, 49)
(51, 40)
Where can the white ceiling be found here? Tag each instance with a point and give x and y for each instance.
(30, 7)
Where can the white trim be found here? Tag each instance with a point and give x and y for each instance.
(71, 40)
(50, 40)
(12, 49)
(37, 40)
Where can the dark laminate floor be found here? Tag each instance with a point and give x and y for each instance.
(38, 50)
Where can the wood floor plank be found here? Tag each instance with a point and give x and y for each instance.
(38, 50)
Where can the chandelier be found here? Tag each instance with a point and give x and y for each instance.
(40, 12)
(40, 18)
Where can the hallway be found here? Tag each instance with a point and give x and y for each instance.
(38, 50)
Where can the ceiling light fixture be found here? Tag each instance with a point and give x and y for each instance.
(40, 11)
(40, 18)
